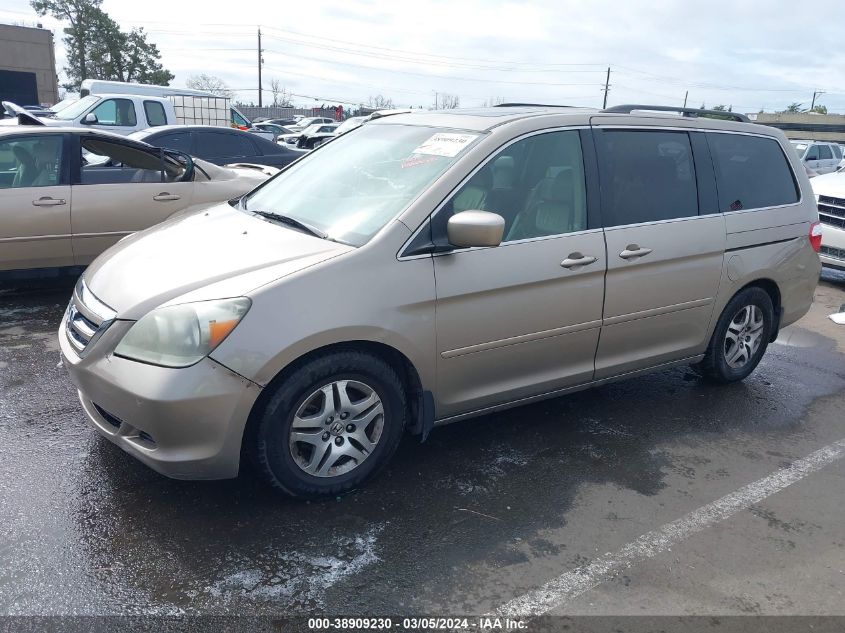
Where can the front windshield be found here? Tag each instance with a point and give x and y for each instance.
(75, 109)
(64, 104)
(355, 185)
(800, 148)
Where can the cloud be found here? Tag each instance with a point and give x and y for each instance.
(550, 51)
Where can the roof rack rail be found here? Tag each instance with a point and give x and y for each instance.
(687, 112)
(536, 105)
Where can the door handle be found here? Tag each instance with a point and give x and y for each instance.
(164, 196)
(577, 259)
(47, 201)
(632, 251)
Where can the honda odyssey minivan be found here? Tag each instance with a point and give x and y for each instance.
(433, 266)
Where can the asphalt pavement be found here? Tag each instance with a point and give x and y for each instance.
(660, 495)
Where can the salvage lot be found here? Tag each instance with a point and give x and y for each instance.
(484, 512)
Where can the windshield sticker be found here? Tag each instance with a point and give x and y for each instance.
(445, 144)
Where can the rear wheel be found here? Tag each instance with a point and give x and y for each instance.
(740, 338)
(332, 425)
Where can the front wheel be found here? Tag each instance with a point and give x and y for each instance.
(740, 338)
(332, 425)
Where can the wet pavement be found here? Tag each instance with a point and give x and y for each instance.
(485, 511)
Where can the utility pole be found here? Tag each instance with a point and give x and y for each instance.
(817, 93)
(606, 88)
(260, 63)
(686, 94)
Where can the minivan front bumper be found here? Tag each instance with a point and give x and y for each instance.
(185, 423)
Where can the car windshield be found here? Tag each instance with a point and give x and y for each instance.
(75, 109)
(355, 185)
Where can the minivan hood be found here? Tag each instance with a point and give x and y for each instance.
(215, 253)
(832, 185)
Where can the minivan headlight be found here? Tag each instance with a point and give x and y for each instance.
(182, 335)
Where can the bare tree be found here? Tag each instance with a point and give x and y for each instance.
(380, 103)
(210, 83)
(448, 101)
(493, 101)
(281, 96)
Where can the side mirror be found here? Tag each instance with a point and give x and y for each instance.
(475, 228)
(90, 119)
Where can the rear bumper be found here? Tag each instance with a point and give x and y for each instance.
(184, 423)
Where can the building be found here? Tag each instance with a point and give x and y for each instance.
(805, 125)
(27, 65)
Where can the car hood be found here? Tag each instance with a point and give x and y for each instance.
(215, 253)
(832, 185)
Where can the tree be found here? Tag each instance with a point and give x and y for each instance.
(380, 103)
(210, 83)
(448, 101)
(819, 109)
(492, 101)
(793, 107)
(98, 49)
(281, 97)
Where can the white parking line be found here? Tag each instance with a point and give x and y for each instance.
(572, 584)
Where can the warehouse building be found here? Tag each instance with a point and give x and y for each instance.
(805, 125)
(27, 65)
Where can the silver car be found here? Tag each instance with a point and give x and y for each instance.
(429, 267)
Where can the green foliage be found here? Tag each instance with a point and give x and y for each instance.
(819, 109)
(98, 49)
(793, 107)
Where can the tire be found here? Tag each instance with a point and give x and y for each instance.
(740, 338)
(331, 459)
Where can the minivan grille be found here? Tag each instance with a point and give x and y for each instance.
(832, 211)
(86, 318)
(835, 253)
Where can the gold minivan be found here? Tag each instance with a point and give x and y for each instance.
(432, 266)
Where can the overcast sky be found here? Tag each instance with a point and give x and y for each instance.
(749, 55)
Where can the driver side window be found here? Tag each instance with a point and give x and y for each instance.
(536, 184)
(116, 112)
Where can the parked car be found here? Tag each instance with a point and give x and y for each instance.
(66, 194)
(286, 122)
(296, 137)
(305, 122)
(220, 146)
(316, 139)
(819, 156)
(431, 267)
(277, 130)
(830, 194)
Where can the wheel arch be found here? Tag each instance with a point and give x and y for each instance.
(417, 398)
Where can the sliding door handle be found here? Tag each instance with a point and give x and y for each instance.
(632, 251)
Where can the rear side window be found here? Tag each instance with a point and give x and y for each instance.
(824, 152)
(219, 144)
(646, 176)
(155, 113)
(837, 151)
(179, 141)
(751, 172)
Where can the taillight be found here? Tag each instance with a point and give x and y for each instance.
(816, 236)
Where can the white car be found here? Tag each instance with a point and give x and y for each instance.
(68, 194)
(830, 195)
(820, 156)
